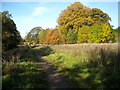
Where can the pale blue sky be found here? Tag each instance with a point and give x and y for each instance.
(28, 15)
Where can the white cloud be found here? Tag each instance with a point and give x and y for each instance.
(39, 10)
(26, 23)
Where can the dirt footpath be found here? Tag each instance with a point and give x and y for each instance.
(55, 78)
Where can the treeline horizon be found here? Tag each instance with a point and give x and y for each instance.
(77, 24)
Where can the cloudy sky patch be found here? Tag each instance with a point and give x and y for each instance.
(39, 10)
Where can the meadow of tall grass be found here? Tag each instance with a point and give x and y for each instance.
(88, 65)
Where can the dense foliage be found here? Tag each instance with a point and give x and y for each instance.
(78, 24)
(32, 36)
(87, 34)
(78, 15)
(21, 69)
(10, 35)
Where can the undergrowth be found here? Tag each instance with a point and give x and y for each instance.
(21, 69)
(96, 67)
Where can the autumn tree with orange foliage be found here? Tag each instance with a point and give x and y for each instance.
(77, 15)
(55, 38)
(79, 24)
(48, 36)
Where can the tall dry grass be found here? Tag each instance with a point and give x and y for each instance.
(87, 49)
(88, 65)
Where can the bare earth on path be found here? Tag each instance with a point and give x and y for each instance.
(55, 78)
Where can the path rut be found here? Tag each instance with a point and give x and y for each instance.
(55, 78)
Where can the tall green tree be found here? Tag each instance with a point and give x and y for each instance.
(83, 34)
(71, 37)
(32, 36)
(95, 33)
(42, 35)
(116, 34)
(107, 34)
(10, 35)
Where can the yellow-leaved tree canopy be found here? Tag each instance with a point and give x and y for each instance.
(79, 24)
(77, 15)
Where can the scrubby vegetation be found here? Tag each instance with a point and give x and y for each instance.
(85, 65)
(21, 69)
(83, 47)
(88, 65)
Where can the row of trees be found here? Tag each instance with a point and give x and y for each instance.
(76, 24)
(94, 34)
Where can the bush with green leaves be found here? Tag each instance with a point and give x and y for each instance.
(10, 35)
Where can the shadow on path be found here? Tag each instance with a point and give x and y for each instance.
(55, 78)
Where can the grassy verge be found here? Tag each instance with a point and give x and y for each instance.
(21, 69)
(82, 75)
(25, 75)
(97, 67)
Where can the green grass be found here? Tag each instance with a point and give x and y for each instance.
(62, 60)
(87, 66)
(25, 75)
(25, 72)
(81, 74)
(95, 67)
